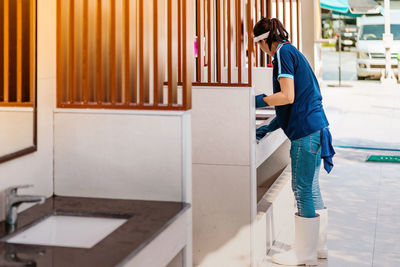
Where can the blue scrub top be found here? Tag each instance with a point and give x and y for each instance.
(306, 114)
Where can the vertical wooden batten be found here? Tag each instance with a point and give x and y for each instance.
(60, 88)
(32, 53)
(72, 70)
(199, 40)
(250, 46)
(5, 51)
(99, 72)
(229, 42)
(187, 74)
(239, 40)
(218, 34)
(158, 46)
(172, 53)
(291, 19)
(179, 41)
(85, 57)
(209, 40)
(113, 54)
(127, 81)
(19, 51)
(298, 23)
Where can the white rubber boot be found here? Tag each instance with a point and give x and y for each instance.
(304, 251)
(323, 233)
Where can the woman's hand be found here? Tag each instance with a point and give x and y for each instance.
(263, 130)
(285, 96)
(260, 103)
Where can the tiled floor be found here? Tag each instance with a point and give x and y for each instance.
(364, 212)
(363, 197)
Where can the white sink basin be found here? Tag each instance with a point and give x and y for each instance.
(68, 231)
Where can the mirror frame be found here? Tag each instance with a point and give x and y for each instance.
(32, 148)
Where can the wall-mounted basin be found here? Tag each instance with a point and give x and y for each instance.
(264, 116)
(67, 231)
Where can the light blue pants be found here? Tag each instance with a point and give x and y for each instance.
(305, 154)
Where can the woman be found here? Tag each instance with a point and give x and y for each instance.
(299, 112)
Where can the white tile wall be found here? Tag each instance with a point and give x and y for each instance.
(119, 156)
(221, 215)
(221, 128)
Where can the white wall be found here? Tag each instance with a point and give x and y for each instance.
(223, 185)
(37, 168)
(262, 80)
(127, 154)
(309, 10)
(16, 129)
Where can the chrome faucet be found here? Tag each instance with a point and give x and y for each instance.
(12, 201)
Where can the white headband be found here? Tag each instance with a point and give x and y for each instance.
(261, 37)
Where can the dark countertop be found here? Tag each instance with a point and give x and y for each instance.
(146, 219)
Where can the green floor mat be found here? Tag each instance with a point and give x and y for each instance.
(381, 158)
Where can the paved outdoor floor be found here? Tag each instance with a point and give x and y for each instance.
(363, 197)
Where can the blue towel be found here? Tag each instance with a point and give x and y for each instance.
(327, 150)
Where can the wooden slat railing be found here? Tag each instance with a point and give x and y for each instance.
(223, 30)
(222, 38)
(17, 53)
(285, 10)
(127, 50)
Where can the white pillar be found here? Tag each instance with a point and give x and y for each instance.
(388, 37)
(310, 21)
(387, 75)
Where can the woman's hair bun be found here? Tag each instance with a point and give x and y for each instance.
(277, 33)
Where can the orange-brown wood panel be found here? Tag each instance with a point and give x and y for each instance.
(218, 35)
(85, 56)
(123, 106)
(263, 8)
(229, 43)
(250, 42)
(291, 19)
(269, 8)
(187, 73)
(113, 54)
(145, 35)
(32, 51)
(172, 53)
(59, 55)
(99, 72)
(127, 87)
(150, 41)
(158, 43)
(239, 37)
(16, 104)
(141, 56)
(5, 51)
(72, 70)
(19, 51)
(209, 40)
(298, 24)
(179, 41)
(199, 39)
(256, 18)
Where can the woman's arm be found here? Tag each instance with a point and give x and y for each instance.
(285, 96)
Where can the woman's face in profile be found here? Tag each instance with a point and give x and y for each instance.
(264, 47)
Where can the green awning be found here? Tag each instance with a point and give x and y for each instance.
(346, 14)
(341, 6)
(352, 8)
